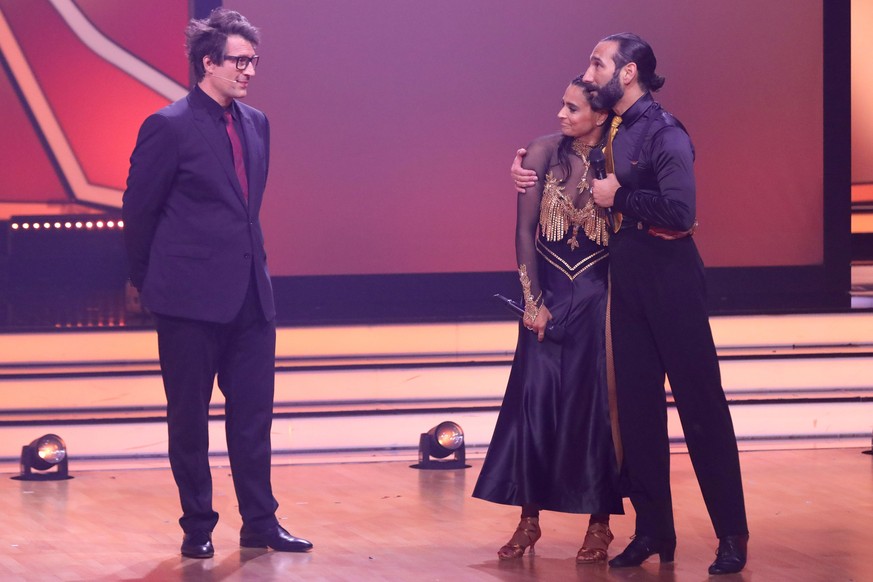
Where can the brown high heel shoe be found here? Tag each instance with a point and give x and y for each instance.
(526, 534)
(597, 540)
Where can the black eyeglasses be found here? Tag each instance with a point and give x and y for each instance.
(242, 63)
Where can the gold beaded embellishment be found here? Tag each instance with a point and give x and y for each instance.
(558, 215)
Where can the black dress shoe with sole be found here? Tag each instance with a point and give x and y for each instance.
(639, 550)
(277, 538)
(730, 557)
(197, 544)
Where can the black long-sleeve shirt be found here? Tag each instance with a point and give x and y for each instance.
(660, 191)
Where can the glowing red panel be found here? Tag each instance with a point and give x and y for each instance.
(98, 107)
(139, 26)
(28, 174)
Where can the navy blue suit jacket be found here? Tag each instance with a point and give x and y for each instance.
(192, 241)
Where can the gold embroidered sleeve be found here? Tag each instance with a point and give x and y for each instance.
(538, 158)
(531, 304)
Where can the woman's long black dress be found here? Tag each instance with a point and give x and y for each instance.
(552, 445)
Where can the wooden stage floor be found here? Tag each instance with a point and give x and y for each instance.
(809, 510)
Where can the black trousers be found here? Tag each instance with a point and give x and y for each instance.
(242, 354)
(660, 326)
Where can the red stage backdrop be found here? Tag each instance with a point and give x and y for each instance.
(395, 121)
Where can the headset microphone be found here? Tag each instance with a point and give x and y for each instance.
(224, 79)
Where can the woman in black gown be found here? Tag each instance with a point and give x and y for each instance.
(553, 447)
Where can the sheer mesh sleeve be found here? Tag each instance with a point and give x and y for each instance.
(538, 158)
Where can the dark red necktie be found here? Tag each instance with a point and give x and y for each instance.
(238, 162)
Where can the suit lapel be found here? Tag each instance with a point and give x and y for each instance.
(254, 157)
(216, 136)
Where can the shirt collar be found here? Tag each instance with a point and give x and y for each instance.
(212, 107)
(637, 110)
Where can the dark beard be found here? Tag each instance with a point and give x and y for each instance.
(607, 96)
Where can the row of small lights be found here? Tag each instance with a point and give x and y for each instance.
(68, 225)
(109, 322)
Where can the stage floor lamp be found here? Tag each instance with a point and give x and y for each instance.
(44, 459)
(444, 440)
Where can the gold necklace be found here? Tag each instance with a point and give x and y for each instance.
(582, 150)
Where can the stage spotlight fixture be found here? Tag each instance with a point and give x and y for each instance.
(444, 440)
(41, 456)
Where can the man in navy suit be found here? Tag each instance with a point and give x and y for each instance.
(196, 252)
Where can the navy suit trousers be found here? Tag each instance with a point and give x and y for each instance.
(242, 354)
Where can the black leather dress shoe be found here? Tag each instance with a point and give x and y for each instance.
(277, 538)
(197, 544)
(640, 548)
(731, 555)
